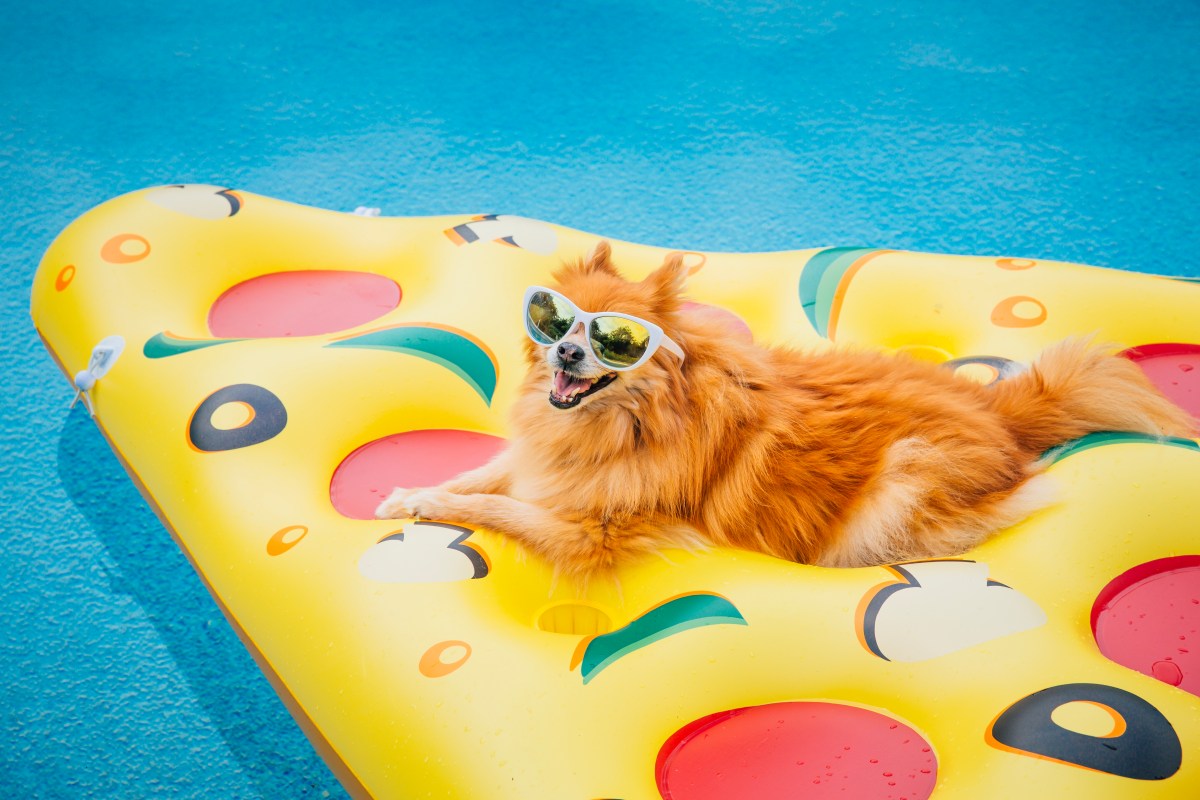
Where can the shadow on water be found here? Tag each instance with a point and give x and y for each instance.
(258, 730)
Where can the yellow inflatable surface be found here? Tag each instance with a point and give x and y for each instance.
(268, 372)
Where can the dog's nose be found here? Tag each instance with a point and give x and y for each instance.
(569, 352)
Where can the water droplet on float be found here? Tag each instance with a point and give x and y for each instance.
(1186, 368)
(1168, 672)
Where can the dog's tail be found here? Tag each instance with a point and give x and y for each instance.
(1077, 387)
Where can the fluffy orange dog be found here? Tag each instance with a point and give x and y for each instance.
(662, 431)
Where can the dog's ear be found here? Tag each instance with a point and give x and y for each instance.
(667, 281)
(600, 259)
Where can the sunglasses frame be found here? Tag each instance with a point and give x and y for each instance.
(658, 336)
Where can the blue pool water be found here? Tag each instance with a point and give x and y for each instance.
(1067, 130)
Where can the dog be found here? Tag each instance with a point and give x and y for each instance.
(650, 428)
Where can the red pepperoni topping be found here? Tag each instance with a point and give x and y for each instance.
(1148, 619)
(409, 460)
(798, 749)
(303, 303)
(1174, 369)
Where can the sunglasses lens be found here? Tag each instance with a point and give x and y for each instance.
(619, 342)
(548, 318)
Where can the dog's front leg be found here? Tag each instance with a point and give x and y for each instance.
(522, 521)
(576, 545)
(492, 478)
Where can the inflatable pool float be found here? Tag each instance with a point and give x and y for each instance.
(267, 372)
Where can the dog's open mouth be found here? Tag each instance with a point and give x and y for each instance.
(568, 390)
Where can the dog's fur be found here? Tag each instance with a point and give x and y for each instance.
(837, 458)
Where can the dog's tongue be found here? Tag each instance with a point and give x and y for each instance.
(567, 386)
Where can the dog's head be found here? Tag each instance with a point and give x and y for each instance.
(571, 367)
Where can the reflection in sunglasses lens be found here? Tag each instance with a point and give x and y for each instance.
(548, 317)
(618, 342)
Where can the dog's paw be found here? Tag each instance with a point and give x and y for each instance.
(394, 507)
(431, 504)
(418, 504)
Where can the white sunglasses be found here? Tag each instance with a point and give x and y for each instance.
(618, 341)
